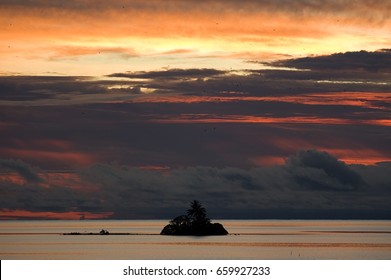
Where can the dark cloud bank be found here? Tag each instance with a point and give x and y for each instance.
(378, 61)
(350, 71)
(311, 184)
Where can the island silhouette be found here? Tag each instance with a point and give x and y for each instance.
(195, 222)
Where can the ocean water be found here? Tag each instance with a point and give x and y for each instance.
(248, 239)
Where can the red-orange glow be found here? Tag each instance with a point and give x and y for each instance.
(50, 150)
(67, 179)
(8, 214)
(358, 156)
(380, 122)
(269, 161)
(348, 152)
(66, 157)
(50, 179)
(161, 168)
(290, 145)
(204, 118)
(45, 144)
(358, 99)
(13, 178)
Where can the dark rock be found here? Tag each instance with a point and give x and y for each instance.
(215, 229)
(208, 229)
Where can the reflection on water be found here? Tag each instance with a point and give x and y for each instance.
(253, 239)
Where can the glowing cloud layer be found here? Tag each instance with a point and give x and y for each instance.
(40, 37)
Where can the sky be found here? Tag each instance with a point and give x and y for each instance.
(132, 109)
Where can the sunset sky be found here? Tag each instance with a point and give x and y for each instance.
(131, 109)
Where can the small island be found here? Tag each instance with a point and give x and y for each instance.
(102, 232)
(194, 223)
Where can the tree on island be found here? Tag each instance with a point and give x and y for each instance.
(195, 222)
(197, 214)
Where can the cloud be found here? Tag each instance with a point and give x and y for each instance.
(339, 72)
(61, 90)
(37, 198)
(310, 184)
(320, 170)
(97, 37)
(322, 183)
(73, 52)
(196, 117)
(212, 84)
(21, 168)
(296, 6)
(377, 61)
(170, 74)
(194, 130)
(31, 88)
(245, 191)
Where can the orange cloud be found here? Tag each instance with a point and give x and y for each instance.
(74, 51)
(70, 24)
(216, 28)
(206, 18)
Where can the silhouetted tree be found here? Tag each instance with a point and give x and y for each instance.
(182, 223)
(197, 214)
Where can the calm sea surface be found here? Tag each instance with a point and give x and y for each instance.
(248, 239)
